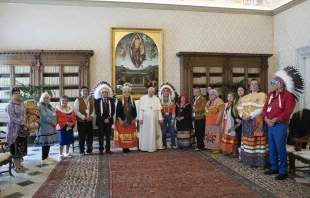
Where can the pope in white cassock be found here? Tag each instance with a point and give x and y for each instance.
(150, 118)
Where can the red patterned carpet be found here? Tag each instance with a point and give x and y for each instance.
(172, 174)
(165, 173)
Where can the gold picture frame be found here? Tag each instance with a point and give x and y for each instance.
(137, 58)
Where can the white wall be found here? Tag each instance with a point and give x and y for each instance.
(291, 32)
(49, 27)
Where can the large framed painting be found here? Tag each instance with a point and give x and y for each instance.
(137, 58)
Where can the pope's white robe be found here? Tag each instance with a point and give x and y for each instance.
(150, 136)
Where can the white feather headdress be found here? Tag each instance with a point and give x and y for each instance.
(162, 88)
(99, 88)
(292, 79)
(126, 87)
(172, 95)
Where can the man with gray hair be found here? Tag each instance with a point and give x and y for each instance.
(150, 119)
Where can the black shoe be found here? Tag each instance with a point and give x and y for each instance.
(281, 176)
(108, 152)
(125, 150)
(271, 172)
(100, 152)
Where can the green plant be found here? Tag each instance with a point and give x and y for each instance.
(230, 87)
(31, 91)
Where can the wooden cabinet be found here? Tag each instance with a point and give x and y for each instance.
(203, 69)
(8, 75)
(64, 70)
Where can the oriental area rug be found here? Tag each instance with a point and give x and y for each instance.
(165, 173)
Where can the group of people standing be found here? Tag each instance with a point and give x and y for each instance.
(249, 127)
(252, 126)
(56, 126)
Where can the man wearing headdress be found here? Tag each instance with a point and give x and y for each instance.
(150, 118)
(167, 98)
(277, 110)
(104, 109)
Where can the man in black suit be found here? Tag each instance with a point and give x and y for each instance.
(104, 109)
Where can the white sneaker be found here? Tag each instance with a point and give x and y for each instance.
(175, 147)
(61, 157)
(68, 155)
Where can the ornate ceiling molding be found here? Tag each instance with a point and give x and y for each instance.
(235, 9)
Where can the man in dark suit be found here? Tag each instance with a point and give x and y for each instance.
(104, 109)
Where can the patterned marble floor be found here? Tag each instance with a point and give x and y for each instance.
(26, 184)
(22, 185)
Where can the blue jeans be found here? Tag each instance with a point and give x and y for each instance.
(277, 142)
(167, 125)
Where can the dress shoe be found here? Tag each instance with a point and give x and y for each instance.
(271, 172)
(108, 152)
(281, 176)
(100, 152)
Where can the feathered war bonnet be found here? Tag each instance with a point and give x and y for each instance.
(102, 86)
(172, 92)
(126, 88)
(291, 79)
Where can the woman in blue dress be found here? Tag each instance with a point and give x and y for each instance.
(66, 121)
(47, 135)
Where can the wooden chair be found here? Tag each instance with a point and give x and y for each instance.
(76, 137)
(2, 136)
(5, 158)
(300, 154)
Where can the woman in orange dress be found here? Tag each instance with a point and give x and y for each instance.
(214, 117)
(229, 140)
(125, 133)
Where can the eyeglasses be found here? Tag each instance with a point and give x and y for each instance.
(254, 85)
(273, 83)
